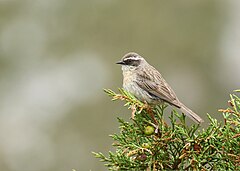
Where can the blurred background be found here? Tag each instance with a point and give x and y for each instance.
(57, 56)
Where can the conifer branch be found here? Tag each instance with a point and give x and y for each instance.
(174, 146)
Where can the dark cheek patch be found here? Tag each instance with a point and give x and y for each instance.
(132, 62)
(135, 63)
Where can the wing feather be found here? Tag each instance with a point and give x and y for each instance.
(153, 82)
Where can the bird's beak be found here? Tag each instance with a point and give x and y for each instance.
(120, 62)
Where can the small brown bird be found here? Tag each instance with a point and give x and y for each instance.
(147, 84)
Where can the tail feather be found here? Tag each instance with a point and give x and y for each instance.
(191, 114)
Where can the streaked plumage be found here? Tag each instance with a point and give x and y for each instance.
(147, 84)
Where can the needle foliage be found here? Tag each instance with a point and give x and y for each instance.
(148, 144)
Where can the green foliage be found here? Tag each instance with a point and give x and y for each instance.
(149, 143)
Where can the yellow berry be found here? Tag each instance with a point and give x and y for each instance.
(145, 145)
(149, 130)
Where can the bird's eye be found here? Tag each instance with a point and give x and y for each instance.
(131, 61)
(127, 61)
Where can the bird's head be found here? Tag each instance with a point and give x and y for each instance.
(131, 61)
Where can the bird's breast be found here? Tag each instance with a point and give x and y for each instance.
(130, 85)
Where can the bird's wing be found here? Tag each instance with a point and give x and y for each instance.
(154, 84)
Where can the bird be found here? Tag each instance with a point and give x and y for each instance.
(147, 84)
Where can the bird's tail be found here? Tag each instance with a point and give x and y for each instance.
(191, 114)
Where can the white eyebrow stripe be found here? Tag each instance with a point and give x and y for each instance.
(133, 58)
